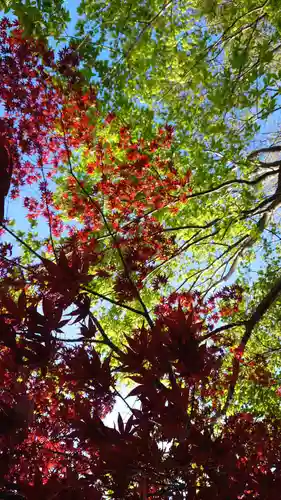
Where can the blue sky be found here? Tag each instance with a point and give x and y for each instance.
(72, 6)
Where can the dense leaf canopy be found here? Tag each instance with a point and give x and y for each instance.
(140, 252)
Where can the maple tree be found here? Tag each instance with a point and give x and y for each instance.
(212, 69)
(173, 353)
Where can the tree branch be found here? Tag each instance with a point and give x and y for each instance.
(178, 228)
(234, 181)
(222, 329)
(105, 336)
(270, 149)
(250, 324)
(114, 302)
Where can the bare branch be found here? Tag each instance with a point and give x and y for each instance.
(222, 328)
(270, 149)
(114, 302)
(252, 182)
(250, 324)
(105, 337)
(179, 228)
